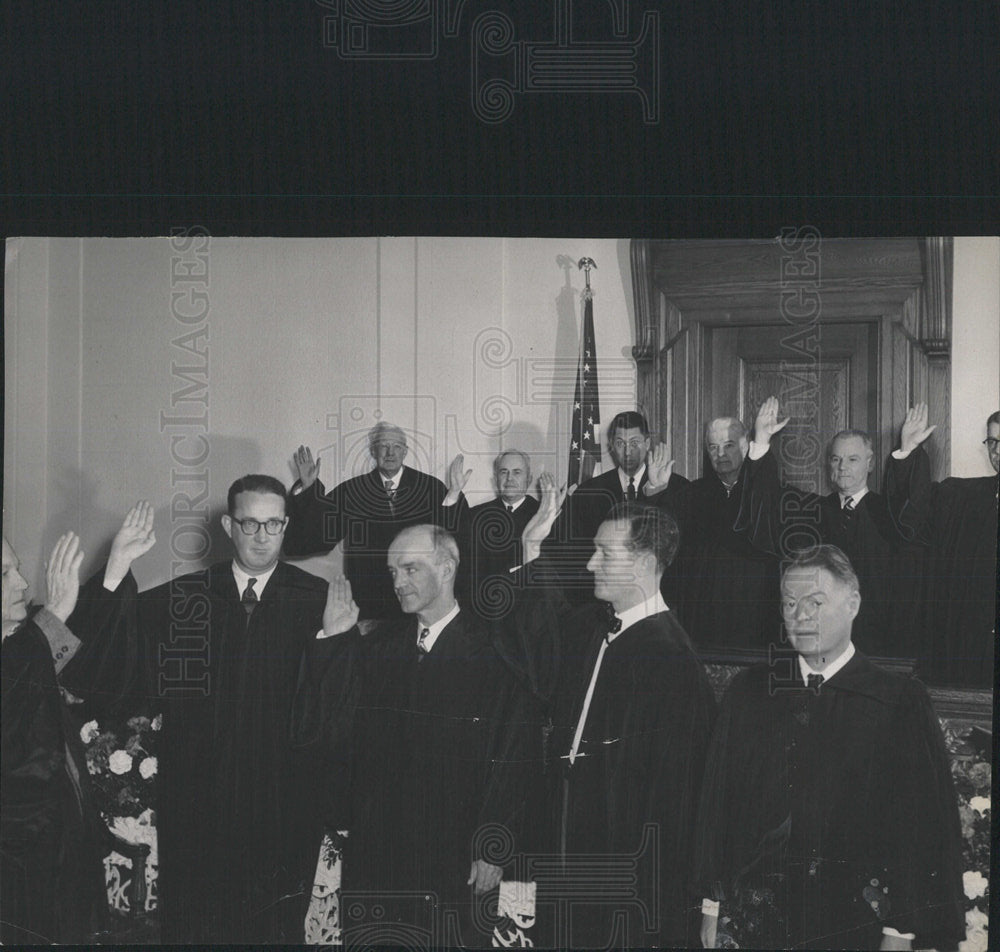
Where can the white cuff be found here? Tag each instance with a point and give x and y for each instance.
(757, 450)
(901, 454)
(709, 907)
(111, 584)
(888, 930)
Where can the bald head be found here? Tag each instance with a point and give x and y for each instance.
(726, 444)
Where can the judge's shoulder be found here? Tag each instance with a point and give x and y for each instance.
(295, 577)
(861, 677)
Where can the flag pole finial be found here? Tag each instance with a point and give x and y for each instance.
(586, 264)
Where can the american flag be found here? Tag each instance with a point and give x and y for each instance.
(585, 440)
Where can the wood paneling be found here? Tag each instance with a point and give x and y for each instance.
(688, 293)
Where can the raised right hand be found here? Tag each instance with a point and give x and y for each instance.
(551, 499)
(341, 612)
(767, 422)
(659, 468)
(134, 539)
(306, 471)
(62, 576)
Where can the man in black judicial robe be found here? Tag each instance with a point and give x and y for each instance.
(433, 727)
(570, 544)
(51, 833)
(724, 589)
(960, 527)
(878, 533)
(218, 652)
(631, 712)
(366, 513)
(828, 817)
(490, 537)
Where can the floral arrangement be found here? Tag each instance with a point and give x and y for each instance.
(122, 763)
(972, 773)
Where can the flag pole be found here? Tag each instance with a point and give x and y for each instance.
(584, 441)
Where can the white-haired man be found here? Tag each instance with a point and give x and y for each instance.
(366, 513)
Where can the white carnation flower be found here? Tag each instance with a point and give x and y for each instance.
(980, 804)
(120, 762)
(89, 732)
(147, 768)
(974, 883)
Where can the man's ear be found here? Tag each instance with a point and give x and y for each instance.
(871, 462)
(854, 603)
(227, 523)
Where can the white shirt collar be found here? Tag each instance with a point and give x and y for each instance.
(395, 479)
(242, 578)
(436, 629)
(631, 616)
(513, 505)
(623, 477)
(857, 497)
(831, 669)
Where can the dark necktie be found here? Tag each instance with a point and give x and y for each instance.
(847, 512)
(422, 648)
(510, 510)
(390, 492)
(614, 623)
(249, 598)
(630, 492)
(813, 681)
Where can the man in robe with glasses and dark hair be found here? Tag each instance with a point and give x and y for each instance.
(828, 817)
(218, 653)
(571, 542)
(366, 513)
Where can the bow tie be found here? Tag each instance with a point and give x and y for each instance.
(613, 622)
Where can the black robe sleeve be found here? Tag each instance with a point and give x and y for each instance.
(113, 670)
(775, 518)
(50, 859)
(926, 866)
(315, 520)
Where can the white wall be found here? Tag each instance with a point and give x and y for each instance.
(975, 362)
(469, 344)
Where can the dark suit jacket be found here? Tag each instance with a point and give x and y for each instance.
(490, 539)
(358, 512)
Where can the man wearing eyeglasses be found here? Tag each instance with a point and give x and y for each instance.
(367, 512)
(828, 819)
(571, 542)
(217, 652)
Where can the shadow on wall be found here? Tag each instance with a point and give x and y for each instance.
(187, 521)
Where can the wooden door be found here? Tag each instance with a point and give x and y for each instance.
(824, 383)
